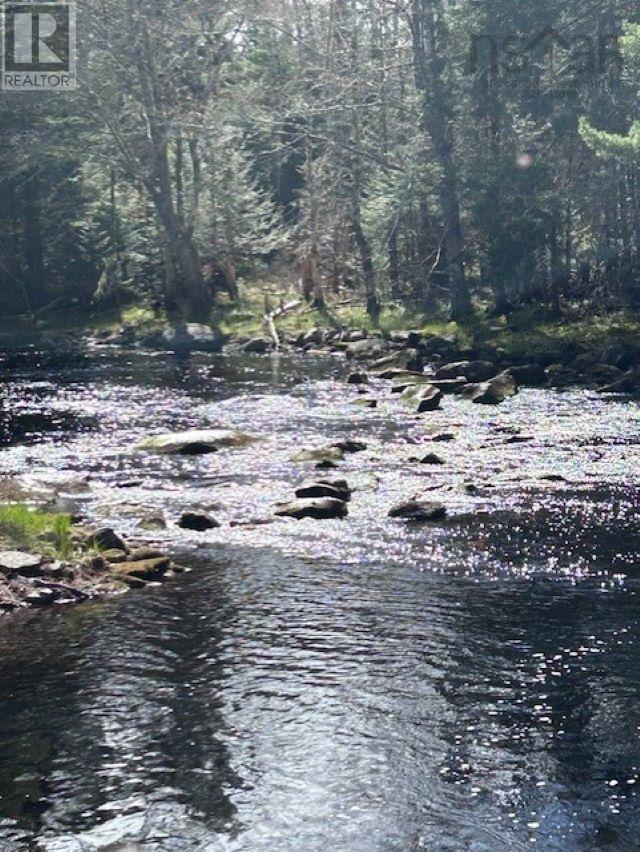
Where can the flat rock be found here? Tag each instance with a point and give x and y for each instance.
(320, 454)
(350, 446)
(195, 441)
(473, 371)
(318, 508)
(338, 489)
(369, 348)
(142, 569)
(17, 561)
(420, 511)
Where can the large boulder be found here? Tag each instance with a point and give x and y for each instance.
(419, 511)
(318, 508)
(371, 347)
(189, 337)
(493, 392)
(411, 339)
(195, 441)
(197, 521)
(473, 371)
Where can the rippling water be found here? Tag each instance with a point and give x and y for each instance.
(353, 685)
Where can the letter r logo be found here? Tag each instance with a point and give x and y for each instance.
(37, 36)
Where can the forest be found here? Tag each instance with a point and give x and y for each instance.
(451, 156)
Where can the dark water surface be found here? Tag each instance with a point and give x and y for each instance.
(350, 685)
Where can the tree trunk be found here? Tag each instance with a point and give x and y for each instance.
(427, 34)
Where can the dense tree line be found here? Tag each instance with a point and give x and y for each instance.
(424, 151)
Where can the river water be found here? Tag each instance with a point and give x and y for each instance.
(351, 685)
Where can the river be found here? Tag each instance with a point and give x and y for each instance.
(354, 684)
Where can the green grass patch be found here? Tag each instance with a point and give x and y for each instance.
(32, 529)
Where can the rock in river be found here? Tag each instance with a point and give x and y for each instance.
(419, 511)
(144, 569)
(493, 392)
(350, 446)
(189, 337)
(106, 539)
(336, 488)
(424, 397)
(473, 371)
(198, 521)
(323, 455)
(195, 441)
(357, 379)
(432, 458)
(318, 508)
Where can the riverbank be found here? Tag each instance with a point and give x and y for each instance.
(593, 351)
(47, 558)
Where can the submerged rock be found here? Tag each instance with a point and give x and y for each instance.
(197, 521)
(317, 508)
(419, 511)
(195, 441)
(323, 455)
(366, 402)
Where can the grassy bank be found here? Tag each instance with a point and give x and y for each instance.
(25, 528)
